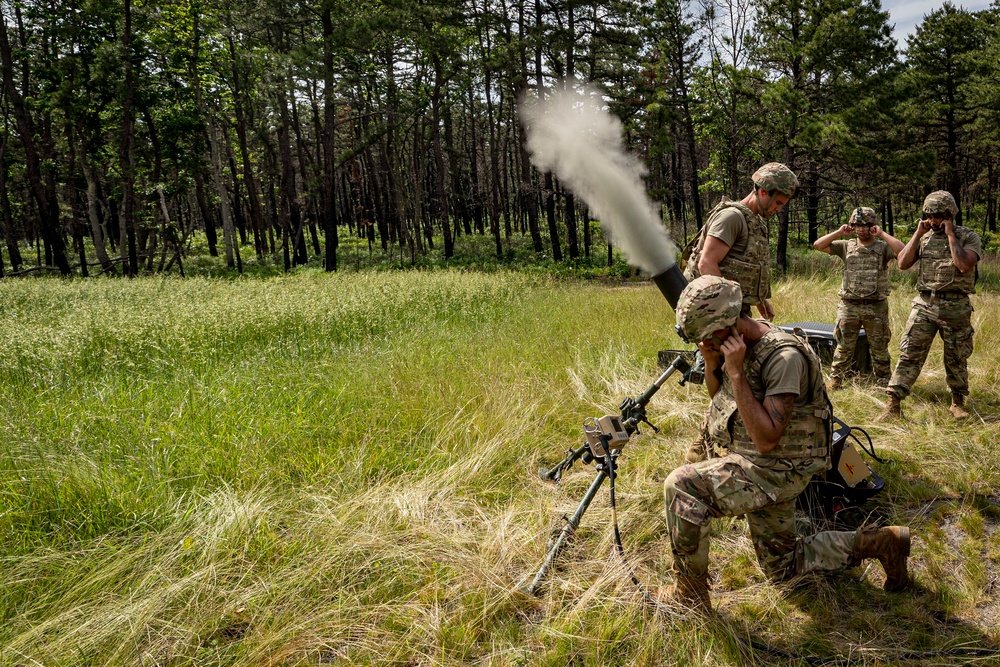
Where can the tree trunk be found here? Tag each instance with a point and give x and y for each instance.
(9, 232)
(93, 215)
(48, 210)
(127, 149)
(253, 195)
(440, 195)
(329, 147)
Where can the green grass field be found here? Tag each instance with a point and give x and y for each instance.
(342, 469)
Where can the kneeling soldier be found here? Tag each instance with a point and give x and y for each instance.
(770, 406)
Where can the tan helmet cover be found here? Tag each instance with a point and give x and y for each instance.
(867, 216)
(707, 304)
(776, 176)
(940, 201)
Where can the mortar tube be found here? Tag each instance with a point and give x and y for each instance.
(671, 283)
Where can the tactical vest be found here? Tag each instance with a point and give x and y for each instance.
(751, 269)
(808, 434)
(938, 272)
(865, 274)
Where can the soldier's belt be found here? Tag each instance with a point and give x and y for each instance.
(951, 294)
(860, 301)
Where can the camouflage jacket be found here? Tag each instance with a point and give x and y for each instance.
(807, 435)
(751, 269)
(938, 272)
(865, 274)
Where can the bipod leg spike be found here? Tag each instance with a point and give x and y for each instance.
(572, 524)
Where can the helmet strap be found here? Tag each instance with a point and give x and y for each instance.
(760, 207)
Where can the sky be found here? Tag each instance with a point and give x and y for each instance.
(906, 14)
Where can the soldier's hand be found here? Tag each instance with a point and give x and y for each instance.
(709, 351)
(734, 349)
(923, 227)
(846, 230)
(877, 231)
(949, 226)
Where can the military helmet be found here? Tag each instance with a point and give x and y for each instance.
(776, 176)
(864, 214)
(940, 201)
(707, 304)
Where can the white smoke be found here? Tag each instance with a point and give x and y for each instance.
(571, 135)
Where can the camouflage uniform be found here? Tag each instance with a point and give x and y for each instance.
(750, 269)
(941, 307)
(863, 293)
(761, 486)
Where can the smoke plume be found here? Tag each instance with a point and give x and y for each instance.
(571, 135)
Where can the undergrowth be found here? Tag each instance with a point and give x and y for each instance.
(342, 469)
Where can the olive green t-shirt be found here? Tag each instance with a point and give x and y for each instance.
(729, 227)
(839, 249)
(785, 372)
(967, 240)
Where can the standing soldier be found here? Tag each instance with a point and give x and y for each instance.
(733, 244)
(947, 258)
(863, 292)
(769, 406)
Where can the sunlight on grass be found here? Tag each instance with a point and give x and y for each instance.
(341, 469)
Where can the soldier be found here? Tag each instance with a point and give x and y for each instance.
(769, 405)
(733, 244)
(947, 276)
(863, 292)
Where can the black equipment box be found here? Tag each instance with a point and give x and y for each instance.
(821, 340)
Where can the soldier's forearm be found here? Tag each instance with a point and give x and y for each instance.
(965, 260)
(823, 243)
(713, 381)
(761, 426)
(894, 243)
(908, 255)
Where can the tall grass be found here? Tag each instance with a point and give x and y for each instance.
(340, 469)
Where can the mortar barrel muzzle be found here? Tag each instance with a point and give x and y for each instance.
(671, 283)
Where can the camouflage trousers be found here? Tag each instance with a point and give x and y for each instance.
(952, 319)
(765, 491)
(874, 317)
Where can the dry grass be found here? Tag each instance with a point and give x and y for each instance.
(269, 498)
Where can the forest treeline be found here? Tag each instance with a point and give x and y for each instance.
(276, 127)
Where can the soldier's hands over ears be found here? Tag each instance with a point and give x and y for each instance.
(708, 350)
(846, 230)
(734, 350)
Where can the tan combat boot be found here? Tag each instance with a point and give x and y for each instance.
(892, 410)
(891, 546)
(958, 407)
(690, 591)
(698, 451)
(834, 384)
